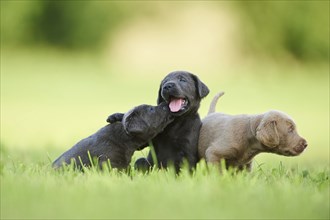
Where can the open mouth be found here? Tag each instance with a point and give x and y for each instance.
(177, 104)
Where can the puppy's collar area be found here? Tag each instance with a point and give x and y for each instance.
(254, 123)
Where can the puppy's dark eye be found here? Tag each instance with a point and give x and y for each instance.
(291, 129)
(182, 80)
(152, 109)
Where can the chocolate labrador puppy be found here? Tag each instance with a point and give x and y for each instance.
(118, 141)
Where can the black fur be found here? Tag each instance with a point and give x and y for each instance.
(118, 141)
(115, 117)
(179, 140)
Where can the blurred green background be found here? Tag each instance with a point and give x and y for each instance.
(66, 65)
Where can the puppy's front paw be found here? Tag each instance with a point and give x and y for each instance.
(116, 117)
(142, 164)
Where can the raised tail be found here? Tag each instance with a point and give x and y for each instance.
(214, 102)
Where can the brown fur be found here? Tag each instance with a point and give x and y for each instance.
(238, 138)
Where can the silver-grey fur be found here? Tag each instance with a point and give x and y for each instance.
(238, 138)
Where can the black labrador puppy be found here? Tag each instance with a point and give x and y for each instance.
(118, 141)
(183, 92)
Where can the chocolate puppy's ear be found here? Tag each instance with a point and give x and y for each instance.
(115, 117)
(160, 99)
(202, 89)
(133, 123)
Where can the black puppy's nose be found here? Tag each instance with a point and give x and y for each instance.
(168, 86)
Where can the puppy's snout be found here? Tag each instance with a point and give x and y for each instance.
(168, 86)
(301, 146)
(303, 143)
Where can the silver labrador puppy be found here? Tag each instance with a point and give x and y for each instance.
(238, 138)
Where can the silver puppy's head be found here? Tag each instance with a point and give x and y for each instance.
(278, 133)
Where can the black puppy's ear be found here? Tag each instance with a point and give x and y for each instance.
(116, 117)
(160, 98)
(202, 89)
(133, 124)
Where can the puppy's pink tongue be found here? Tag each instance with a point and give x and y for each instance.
(175, 105)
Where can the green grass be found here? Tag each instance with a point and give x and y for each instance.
(36, 191)
(50, 100)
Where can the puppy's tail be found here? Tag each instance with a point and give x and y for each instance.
(214, 102)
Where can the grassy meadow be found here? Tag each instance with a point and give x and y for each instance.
(51, 99)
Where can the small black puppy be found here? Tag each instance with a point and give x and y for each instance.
(118, 141)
